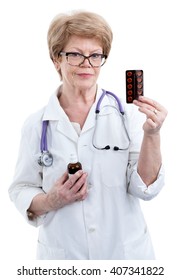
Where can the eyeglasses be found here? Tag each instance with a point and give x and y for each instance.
(76, 59)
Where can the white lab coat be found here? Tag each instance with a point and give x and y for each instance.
(109, 223)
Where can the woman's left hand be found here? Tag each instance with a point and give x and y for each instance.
(154, 112)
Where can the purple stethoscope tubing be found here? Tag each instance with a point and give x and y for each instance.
(121, 110)
(43, 145)
(46, 158)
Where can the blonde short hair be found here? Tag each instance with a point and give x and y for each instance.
(79, 23)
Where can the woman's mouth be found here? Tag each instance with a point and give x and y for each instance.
(84, 75)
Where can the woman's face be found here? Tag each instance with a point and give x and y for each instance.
(85, 76)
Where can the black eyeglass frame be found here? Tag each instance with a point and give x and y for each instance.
(85, 57)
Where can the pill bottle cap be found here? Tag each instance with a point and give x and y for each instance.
(73, 158)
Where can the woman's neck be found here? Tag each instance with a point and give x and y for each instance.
(71, 97)
(77, 104)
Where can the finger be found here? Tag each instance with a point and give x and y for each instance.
(154, 120)
(82, 193)
(153, 112)
(152, 123)
(72, 179)
(156, 116)
(80, 184)
(149, 112)
(148, 103)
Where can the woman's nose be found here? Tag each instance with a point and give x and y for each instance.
(86, 62)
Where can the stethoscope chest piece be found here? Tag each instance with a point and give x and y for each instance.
(45, 159)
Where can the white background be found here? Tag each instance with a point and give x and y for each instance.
(146, 36)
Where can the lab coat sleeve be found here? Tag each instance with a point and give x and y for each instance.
(136, 186)
(27, 182)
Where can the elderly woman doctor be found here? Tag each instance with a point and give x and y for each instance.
(95, 213)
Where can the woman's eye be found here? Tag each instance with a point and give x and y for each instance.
(96, 56)
(75, 54)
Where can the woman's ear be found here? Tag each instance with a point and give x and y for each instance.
(56, 64)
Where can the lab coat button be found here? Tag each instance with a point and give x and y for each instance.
(91, 230)
(146, 191)
(89, 186)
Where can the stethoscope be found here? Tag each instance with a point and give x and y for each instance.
(46, 158)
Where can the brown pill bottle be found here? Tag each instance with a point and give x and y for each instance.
(74, 165)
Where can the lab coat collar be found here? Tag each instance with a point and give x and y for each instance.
(54, 112)
(91, 118)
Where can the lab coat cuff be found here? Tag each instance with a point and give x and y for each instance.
(23, 203)
(139, 189)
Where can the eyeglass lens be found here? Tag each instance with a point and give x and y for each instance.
(76, 59)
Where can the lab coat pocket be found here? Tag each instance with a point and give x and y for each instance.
(48, 253)
(140, 249)
(113, 169)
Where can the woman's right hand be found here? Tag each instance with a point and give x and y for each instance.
(67, 190)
